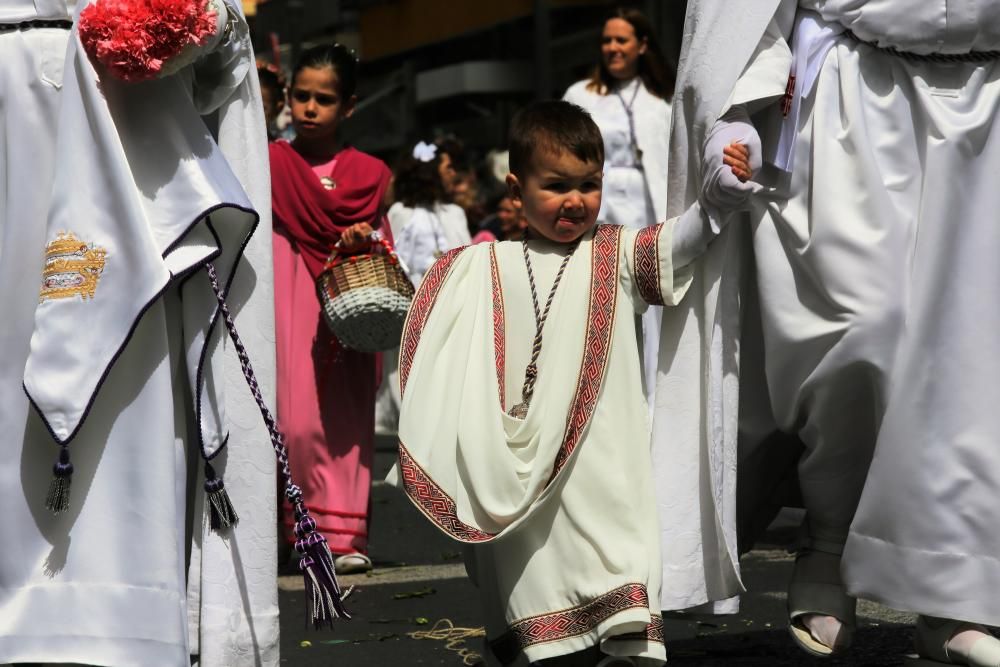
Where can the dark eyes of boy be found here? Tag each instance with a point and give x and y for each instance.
(562, 186)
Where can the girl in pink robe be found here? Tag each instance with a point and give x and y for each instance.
(324, 192)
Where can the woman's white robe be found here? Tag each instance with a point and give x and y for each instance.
(635, 191)
(560, 506)
(131, 573)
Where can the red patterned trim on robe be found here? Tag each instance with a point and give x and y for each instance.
(431, 499)
(647, 265)
(420, 309)
(653, 632)
(499, 330)
(597, 343)
(577, 621)
(435, 504)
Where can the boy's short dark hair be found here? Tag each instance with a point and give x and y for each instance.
(554, 126)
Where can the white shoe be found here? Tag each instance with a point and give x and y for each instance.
(934, 645)
(352, 563)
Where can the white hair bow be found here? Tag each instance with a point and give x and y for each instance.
(425, 152)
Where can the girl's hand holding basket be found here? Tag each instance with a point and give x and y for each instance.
(365, 297)
(355, 238)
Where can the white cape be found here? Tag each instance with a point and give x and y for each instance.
(152, 180)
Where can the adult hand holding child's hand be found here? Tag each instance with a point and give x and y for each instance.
(732, 155)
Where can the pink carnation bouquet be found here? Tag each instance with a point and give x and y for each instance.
(137, 40)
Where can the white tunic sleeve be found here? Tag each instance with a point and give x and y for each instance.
(659, 259)
(649, 272)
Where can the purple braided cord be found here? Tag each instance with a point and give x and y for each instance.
(326, 601)
(292, 491)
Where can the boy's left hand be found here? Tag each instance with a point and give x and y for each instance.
(737, 157)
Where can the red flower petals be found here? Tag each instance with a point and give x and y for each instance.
(133, 38)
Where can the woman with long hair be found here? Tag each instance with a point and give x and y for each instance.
(628, 95)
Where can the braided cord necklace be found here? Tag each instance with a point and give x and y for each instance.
(631, 120)
(520, 411)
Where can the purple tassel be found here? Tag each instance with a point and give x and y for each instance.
(326, 601)
(57, 499)
(221, 513)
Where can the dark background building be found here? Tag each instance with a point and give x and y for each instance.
(437, 67)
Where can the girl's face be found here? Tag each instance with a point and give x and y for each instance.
(449, 176)
(317, 106)
(620, 49)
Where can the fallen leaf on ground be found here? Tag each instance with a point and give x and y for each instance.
(423, 592)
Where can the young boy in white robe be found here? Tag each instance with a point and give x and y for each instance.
(524, 430)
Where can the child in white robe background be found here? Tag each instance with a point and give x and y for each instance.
(424, 226)
(548, 480)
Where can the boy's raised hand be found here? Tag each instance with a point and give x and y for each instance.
(737, 157)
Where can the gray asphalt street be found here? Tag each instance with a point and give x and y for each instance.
(417, 608)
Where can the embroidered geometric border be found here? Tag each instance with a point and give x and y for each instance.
(653, 632)
(435, 504)
(423, 303)
(647, 265)
(578, 620)
(499, 329)
(597, 342)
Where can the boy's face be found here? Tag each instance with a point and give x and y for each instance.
(559, 196)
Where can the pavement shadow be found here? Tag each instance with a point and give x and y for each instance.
(873, 647)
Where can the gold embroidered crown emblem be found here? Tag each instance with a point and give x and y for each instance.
(72, 268)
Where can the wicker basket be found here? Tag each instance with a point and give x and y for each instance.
(365, 297)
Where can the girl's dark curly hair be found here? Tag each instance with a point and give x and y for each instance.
(418, 184)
